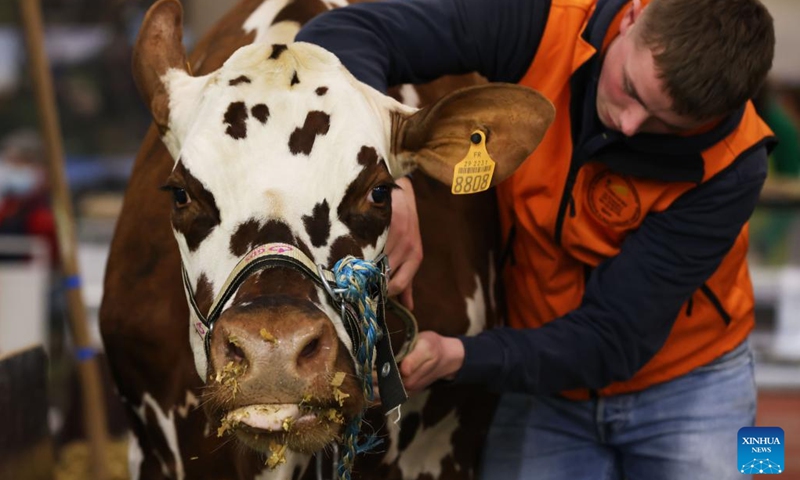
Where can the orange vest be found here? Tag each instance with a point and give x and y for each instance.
(549, 274)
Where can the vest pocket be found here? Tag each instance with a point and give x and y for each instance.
(717, 304)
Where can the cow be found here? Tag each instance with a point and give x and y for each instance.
(260, 143)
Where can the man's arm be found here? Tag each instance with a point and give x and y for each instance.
(630, 304)
(414, 41)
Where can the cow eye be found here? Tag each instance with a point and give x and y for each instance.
(380, 194)
(179, 196)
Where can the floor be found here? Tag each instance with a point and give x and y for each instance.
(781, 408)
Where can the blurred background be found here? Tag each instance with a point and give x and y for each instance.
(88, 43)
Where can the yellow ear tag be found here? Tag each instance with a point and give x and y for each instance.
(474, 173)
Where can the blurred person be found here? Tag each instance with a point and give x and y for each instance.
(24, 189)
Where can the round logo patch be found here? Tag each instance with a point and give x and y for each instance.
(614, 200)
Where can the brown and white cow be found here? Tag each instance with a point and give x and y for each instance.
(273, 141)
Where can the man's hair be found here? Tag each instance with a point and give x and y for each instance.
(712, 55)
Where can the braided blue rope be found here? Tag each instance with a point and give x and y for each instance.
(357, 278)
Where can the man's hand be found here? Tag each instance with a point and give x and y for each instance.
(404, 244)
(434, 357)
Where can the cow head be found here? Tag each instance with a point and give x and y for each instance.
(282, 144)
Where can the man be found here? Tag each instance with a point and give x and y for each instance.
(629, 298)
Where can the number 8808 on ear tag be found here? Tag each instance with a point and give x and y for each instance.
(474, 173)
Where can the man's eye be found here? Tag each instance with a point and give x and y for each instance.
(626, 87)
(380, 194)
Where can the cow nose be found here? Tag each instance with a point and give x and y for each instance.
(291, 346)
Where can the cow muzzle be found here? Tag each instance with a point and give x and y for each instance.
(316, 390)
(281, 376)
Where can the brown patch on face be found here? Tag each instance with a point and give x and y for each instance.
(295, 80)
(198, 219)
(260, 112)
(271, 285)
(342, 247)
(302, 139)
(321, 91)
(240, 241)
(318, 224)
(366, 220)
(238, 80)
(203, 294)
(251, 233)
(367, 156)
(277, 50)
(236, 120)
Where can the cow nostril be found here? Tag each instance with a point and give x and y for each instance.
(235, 352)
(310, 349)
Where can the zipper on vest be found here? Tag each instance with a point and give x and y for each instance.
(566, 201)
(689, 306)
(717, 304)
(507, 254)
(579, 158)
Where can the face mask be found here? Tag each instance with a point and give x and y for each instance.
(17, 181)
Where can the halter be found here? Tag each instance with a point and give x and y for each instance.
(359, 288)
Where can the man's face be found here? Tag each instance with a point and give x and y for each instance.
(630, 96)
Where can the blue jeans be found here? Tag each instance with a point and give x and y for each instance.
(684, 429)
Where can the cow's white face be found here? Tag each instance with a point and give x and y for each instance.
(282, 144)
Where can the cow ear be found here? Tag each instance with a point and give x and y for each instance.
(512, 118)
(159, 51)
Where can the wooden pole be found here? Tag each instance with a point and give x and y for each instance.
(94, 409)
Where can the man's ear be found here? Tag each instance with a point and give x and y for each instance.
(512, 118)
(631, 16)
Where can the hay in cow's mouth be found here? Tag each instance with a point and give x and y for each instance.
(270, 428)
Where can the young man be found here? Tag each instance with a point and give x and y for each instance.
(629, 298)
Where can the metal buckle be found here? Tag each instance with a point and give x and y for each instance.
(335, 293)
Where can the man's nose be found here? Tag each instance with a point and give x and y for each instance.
(632, 120)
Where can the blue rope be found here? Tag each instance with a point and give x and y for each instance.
(358, 278)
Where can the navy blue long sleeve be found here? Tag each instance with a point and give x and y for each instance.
(414, 41)
(631, 300)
